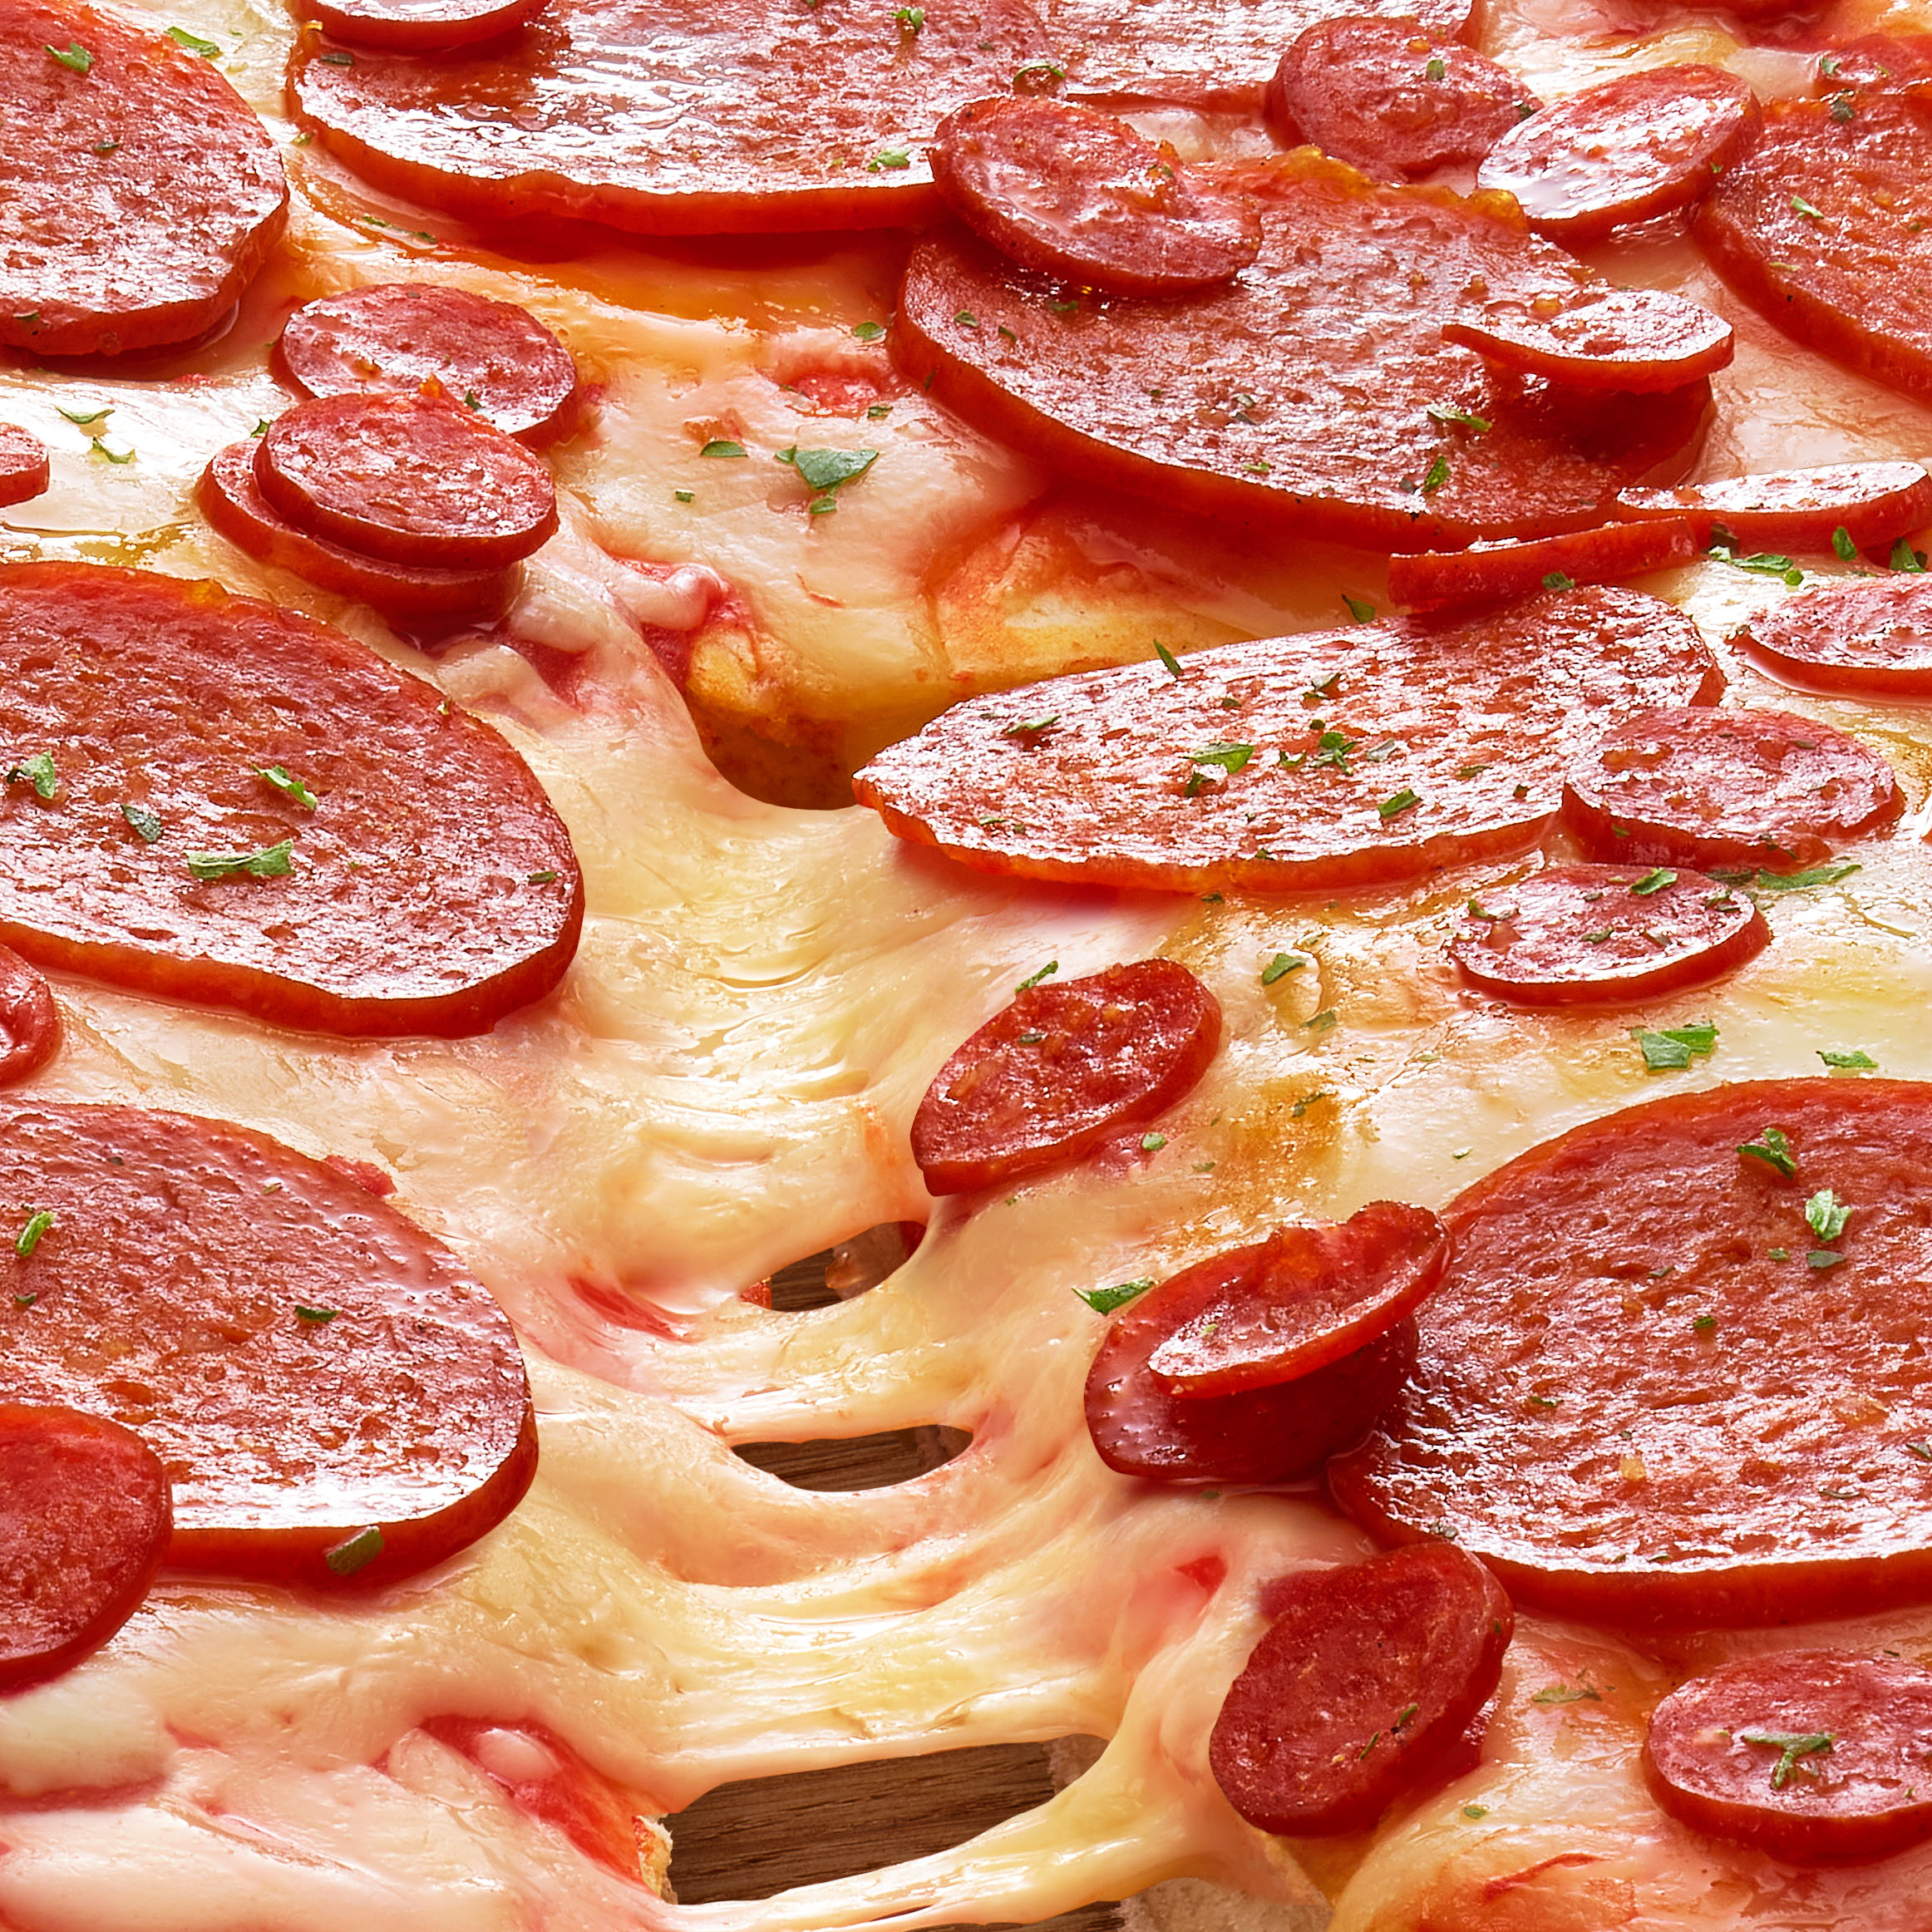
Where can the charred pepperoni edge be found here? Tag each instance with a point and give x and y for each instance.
(1429, 580)
(1791, 638)
(1427, 1625)
(30, 1023)
(24, 469)
(1875, 518)
(1496, 343)
(415, 31)
(115, 1497)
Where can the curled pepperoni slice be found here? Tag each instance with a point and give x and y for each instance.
(1378, 752)
(1311, 1295)
(1064, 1067)
(406, 479)
(30, 1023)
(1392, 98)
(391, 337)
(1629, 339)
(142, 195)
(1143, 1426)
(1637, 146)
(1799, 510)
(1574, 934)
(1728, 788)
(24, 463)
(1427, 579)
(232, 500)
(1369, 1673)
(420, 25)
(374, 1417)
(1867, 637)
(1817, 1757)
(215, 800)
(84, 1525)
(1076, 193)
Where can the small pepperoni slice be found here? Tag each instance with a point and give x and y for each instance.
(1728, 788)
(1799, 510)
(1369, 1673)
(84, 1524)
(1064, 1067)
(374, 1415)
(1630, 339)
(391, 337)
(1865, 637)
(215, 800)
(142, 194)
(1390, 97)
(1142, 1427)
(1312, 1294)
(1487, 573)
(406, 479)
(30, 1023)
(232, 500)
(1576, 934)
(1078, 194)
(1816, 1756)
(422, 27)
(1380, 752)
(1640, 146)
(24, 463)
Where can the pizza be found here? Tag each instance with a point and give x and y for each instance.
(1169, 758)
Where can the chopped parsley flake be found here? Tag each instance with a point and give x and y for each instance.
(87, 418)
(1653, 882)
(1826, 875)
(1040, 70)
(910, 19)
(1672, 1048)
(685, 495)
(1103, 1301)
(1167, 657)
(1034, 979)
(966, 318)
(290, 786)
(29, 1237)
(147, 827)
(1773, 1149)
(1564, 1693)
(890, 160)
(1825, 1214)
(1280, 966)
(1824, 1257)
(1437, 477)
(1856, 1060)
(1031, 727)
(1800, 206)
(1152, 1143)
(723, 446)
(1359, 609)
(1906, 558)
(320, 1318)
(357, 1553)
(1437, 70)
(878, 411)
(1475, 1811)
(76, 57)
(548, 876)
(271, 862)
(1791, 1746)
(868, 331)
(1842, 543)
(1307, 1100)
(39, 772)
(1556, 581)
(1445, 412)
(1322, 1021)
(1395, 806)
(194, 44)
(1231, 758)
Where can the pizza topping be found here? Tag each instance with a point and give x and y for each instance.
(1724, 788)
(1816, 1757)
(1889, 63)
(1576, 933)
(1369, 1673)
(30, 1023)
(1386, 96)
(1637, 146)
(1449, 741)
(410, 480)
(1866, 638)
(393, 338)
(1845, 507)
(1629, 339)
(1489, 572)
(395, 906)
(1061, 1068)
(24, 463)
(84, 1525)
(420, 26)
(142, 194)
(1073, 193)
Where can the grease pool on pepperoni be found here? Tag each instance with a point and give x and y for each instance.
(1865, 637)
(1799, 509)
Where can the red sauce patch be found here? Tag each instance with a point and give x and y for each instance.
(1867, 637)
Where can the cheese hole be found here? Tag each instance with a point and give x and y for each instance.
(839, 1273)
(851, 1462)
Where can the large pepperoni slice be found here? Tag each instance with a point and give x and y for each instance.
(1387, 96)
(1060, 1069)
(1576, 934)
(1816, 1756)
(142, 195)
(1726, 788)
(1078, 194)
(1630, 339)
(1369, 1673)
(1637, 146)
(1335, 758)
(24, 471)
(1866, 637)
(373, 1415)
(678, 117)
(1674, 1370)
(393, 337)
(1799, 510)
(420, 26)
(30, 1023)
(411, 480)
(215, 800)
(1486, 573)
(84, 1525)
(1316, 390)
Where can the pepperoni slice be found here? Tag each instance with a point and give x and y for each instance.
(684, 117)
(1866, 637)
(1576, 934)
(1391, 98)
(1367, 1675)
(1820, 226)
(406, 479)
(1378, 752)
(30, 1023)
(1311, 1295)
(391, 337)
(1284, 1433)
(1076, 193)
(24, 463)
(1637, 146)
(142, 195)
(1728, 788)
(1799, 510)
(1426, 579)
(430, 888)
(84, 1525)
(1629, 339)
(1816, 1756)
(1889, 63)
(1315, 390)
(374, 1416)
(1062, 1067)
(420, 25)
(232, 500)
